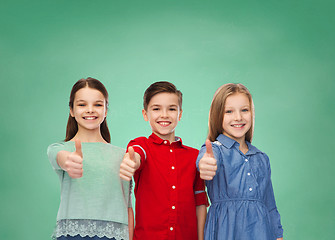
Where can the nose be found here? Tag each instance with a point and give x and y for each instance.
(89, 108)
(164, 113)
(238, 116)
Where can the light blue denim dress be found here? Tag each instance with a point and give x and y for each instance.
(242, 200)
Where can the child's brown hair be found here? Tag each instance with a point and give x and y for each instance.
(72, 125)
(161, 87)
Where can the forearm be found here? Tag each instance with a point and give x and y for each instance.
(201, 212)
(131, 223)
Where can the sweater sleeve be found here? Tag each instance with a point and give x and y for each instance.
(52, 151)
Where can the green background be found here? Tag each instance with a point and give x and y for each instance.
(283, 51)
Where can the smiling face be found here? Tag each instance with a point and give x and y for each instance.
(89, 109)
(237, 117)
(163, 113)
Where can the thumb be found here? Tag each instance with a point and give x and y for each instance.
(209, 149)
(78, 147)
(131, 153)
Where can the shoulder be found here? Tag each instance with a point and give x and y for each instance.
(257, 151)
(259, 155)
(54, 148)
(139, 140)
(115, 148)
(111, 151)
(192, 152)
(191, 149)
(57, 146)
(216, 145)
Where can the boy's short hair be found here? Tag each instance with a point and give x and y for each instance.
(161, 87)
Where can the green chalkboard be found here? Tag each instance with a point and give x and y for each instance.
(283, 51)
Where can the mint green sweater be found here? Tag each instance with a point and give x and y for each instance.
(99, 194)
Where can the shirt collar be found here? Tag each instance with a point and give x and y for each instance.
(229, 143)
(252, 149)
(226, 141)
(154, 138)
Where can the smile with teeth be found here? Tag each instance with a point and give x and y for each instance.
(237, 125)
(90, 118)
(164, 124)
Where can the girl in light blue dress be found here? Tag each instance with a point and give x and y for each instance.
(95, 203)
(237, 174)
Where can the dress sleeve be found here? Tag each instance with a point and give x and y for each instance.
(52, 151)
(271, 206)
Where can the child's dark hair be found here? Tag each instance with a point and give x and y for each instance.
(72, 125)
(161, 87)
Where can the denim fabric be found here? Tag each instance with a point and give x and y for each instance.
(242, 199)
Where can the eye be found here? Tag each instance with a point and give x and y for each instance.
(98, 105)
(155, 109)
(228, 111)
(245, 110)
(173, 109)
(81, 105)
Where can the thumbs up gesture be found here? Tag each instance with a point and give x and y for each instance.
(129, 164)
(207, 164)
(74, 162)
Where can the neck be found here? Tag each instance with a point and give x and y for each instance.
(170, 138)
(85, 135)
(243, 147)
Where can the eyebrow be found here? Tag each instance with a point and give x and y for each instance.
(157, 105)
(234, 107)
(81, 100)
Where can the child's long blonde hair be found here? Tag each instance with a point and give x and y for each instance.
(217, 110)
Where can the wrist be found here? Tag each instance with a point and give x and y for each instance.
(61, 158)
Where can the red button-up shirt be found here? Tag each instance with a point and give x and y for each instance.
(167, 189)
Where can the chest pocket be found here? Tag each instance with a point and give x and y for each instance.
(259, 168)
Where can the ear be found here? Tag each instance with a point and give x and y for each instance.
(180, 114)
(145, 115)
(71, 112)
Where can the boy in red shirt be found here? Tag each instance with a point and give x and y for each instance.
(170, 196)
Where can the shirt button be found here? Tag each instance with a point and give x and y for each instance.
(170, 150)
(173, 207)
(165, 142)
(246, 160)
(250, 189)
(173, 187)
(248, 173)
(172, 167)
(171, 228)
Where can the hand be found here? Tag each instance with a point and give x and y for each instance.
(207, 164)
(129, 165)
(74, 162)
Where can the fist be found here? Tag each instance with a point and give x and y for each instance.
(74, 162)
(129, 165)
(207, 164)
